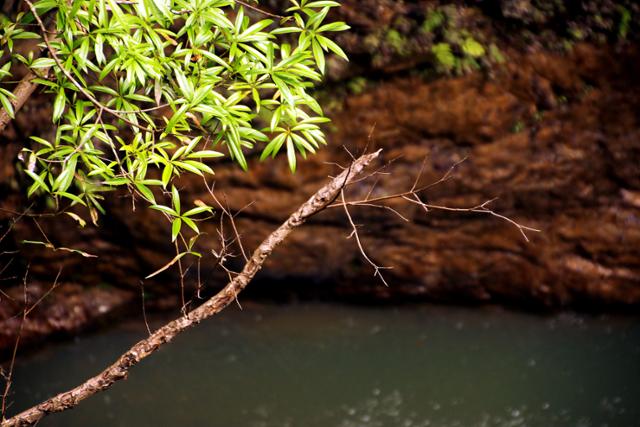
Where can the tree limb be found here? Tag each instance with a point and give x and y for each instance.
(26, 86)
(21, 93)
(120, 369)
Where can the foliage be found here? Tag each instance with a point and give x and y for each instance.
(397, 41)
(454, 47)
(625, 22)
(147, 90)
(560, 22)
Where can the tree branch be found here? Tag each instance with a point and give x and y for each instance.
(120, 369)
(21, 93)
(26, 86)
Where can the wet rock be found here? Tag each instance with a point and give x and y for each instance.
(62, 311)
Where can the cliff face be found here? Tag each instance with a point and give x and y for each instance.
(555, 135)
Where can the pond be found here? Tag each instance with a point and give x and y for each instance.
(318, 365)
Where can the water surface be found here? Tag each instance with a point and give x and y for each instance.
(314, 365)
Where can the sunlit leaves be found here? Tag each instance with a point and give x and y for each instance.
(146, 91)
(295, 130)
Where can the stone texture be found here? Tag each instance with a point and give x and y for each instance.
(555, 136)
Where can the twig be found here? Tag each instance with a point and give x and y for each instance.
(144, 311)
(377, 269)
(8, 377)
(481, 208)
(181, 273)
(46, 294)
(225, 209)
(413, 196)
(262, 11)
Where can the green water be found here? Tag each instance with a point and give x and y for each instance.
(314, 365)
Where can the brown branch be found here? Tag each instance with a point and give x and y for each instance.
(259, 10)
(377, 269)
(26, 86)
(413, 196)
(21, 93)
(8, 377)
(120, 369)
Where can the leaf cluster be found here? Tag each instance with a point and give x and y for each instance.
(147, 90)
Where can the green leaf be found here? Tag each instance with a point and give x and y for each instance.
(6, 104)
(59, 105)
(75, 199)
(39, 180)
(43, 63)
(64, 180)
(164, 209)
(205, 154)
(176, 225)
(197, 210)
(177, 116)
(291, 155)
(146, 193)
(167, 174)
(318, 54)
(175, 199)
(192, 225)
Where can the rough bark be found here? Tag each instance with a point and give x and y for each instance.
(120, 369)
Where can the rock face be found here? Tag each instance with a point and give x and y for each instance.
(554, 136)
(67, 309)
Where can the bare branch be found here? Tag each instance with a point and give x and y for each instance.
(413, 196)
(8, 376)
(120, 369)
(259, 10)
(144, 310)
(46, 294)
(354, 233)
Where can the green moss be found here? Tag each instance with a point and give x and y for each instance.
(444, 55)
(518, 127)
(471, 47)
(434, 20)
(397, 41)
(357, 85)
(576, 34)
(372, 41)
(496, 54)
(108, 286)
(625, 22)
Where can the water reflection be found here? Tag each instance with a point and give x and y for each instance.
(335, 366)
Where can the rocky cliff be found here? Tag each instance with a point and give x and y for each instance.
(552, 130)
